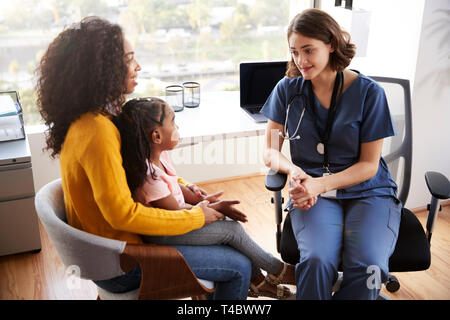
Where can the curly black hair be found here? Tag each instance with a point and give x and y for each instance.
(83, 70)
(139, 117)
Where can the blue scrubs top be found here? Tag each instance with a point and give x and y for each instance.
(362, 115)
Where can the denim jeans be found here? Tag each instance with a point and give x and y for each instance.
(228, 268)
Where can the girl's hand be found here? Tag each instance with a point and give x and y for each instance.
(226, 207)
(212, 198)
(198, 191)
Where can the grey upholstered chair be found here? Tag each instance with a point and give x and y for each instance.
(99, 258)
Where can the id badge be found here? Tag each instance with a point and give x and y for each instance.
(330, 194)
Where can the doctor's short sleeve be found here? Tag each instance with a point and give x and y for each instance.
(376, 120)
(275, 106)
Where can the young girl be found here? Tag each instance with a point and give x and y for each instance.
(148, 130)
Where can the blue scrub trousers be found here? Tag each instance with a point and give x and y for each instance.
(360, 233)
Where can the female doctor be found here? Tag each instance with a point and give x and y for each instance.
(343, 202)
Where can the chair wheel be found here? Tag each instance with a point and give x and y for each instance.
(392, 285)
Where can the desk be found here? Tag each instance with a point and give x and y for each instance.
(219, 116)
(218, 139)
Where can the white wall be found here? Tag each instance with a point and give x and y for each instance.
(392, 32)
(431, 100)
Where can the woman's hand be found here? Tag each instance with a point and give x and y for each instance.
(226, 207)
(304, 192)
(211, 215)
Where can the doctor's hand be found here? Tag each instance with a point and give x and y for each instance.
(297, 172)
(304, 192)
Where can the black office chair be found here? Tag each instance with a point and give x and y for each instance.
(412, 251)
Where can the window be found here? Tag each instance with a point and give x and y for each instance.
(175, 40)
(386, 34)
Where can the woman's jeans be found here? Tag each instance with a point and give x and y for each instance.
(229, 269)
(359, 233)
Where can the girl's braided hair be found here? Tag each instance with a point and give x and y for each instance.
(138, 119)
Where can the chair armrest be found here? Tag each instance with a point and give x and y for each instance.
(165, 273)
(275, 181)
(438, 185)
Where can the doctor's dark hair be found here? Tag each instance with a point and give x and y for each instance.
(317, 24)
(139, 117)
(83, 70)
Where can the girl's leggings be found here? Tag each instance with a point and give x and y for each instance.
(225, 232)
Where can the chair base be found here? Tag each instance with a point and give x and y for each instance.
(392, 285)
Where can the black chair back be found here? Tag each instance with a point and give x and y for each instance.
(397, 150)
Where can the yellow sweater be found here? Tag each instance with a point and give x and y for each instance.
(96, 193)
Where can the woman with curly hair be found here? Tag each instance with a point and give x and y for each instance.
(83, 79)
(343, 203)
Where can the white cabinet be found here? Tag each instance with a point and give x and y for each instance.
(19, 228)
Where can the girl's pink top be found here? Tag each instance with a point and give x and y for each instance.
(164, 184)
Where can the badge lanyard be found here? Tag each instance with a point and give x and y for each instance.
(322, 146)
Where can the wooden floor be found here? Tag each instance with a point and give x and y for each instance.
(43, 276)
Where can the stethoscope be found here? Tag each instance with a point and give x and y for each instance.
(295, 135)
(322, 144)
